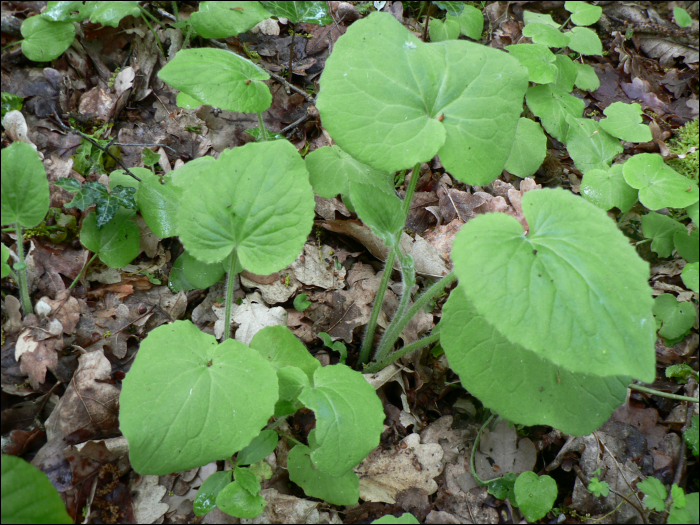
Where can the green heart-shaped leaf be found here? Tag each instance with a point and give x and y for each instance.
(419, 100)
(659, 185)
(589, 146)
(317, 484)
(188, 401)
(117, 242)
(225, 19)
(608, 189)
(535, 494)
(25, 189)
(552, 105)
(255, 199)
(624, 121)
(45, 40)
(219, 78)
(572, 290)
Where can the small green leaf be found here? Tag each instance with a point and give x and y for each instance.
(538, 60)
(566, 73)
(625, 122)
(502, 487)
(471, 22)
(584, 41)
(552, 106)
(659, 185)
(599, 488)
(68, 184)
(661, 229)
(530, 17)
(28, 496)
(678, 497)
(262, 446)
(677, 318)
(45, 40)
(337, 346)
(690, 276)
(292, 381)
(10, 102)
(688, 514)
(281, 348)
(546, 35)
(225, 19)
(117, 243)
(573, 255)
(681, 17)
(440, 30)
(583, 13)
(111, 13)
(247, 479)
(693, 211)
(301, 12)
(691, 436)
(681, 372)
(434, 112)
(529, 149)
(205, 501)
(452, 8)
(68, 11)
(25, 189)
(257, 133)
(535, 495)
(301, 303)
(188, 401)
(655, 494)
(589, 146)
(237, 501)
(349, 418)
(159, 204)
(405, 518)
(343, 490)
(586, 77)
(149, 157)
(188, 274)
(107, 204)
(607, 189)
(219, 78)
(4, 259)
(255, 199)
(687, 245)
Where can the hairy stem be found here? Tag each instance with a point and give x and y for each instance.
(397, 326)
(379, 365)
(263, 130)
(663, 394)
(22, 274)
(376, 308)
(230, 282)
(75, 281)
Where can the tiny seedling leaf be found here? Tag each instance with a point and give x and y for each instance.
(301, 302)
(659, 185)
(535, 494)
(624, 121)
(442, 100)
(28, 496)
(25, 189)
(188, 401)
(117, 242)
(225, 19)
(681, 372)
(655, 494)
(205, 501)
(599, 488)
(255, 199)
(219, 78)
(349, 418)
(574, 273)
(343, 490)
(608, 189)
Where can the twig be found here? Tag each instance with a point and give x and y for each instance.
(296, 123)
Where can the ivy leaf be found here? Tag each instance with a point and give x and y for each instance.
(655, 494)
(257, 200)
(343, 490)
(625, 122)
(434, 112)
(607, 189)
(659, 185)
(25, 189)
(570, 284)
(28, 496)
(225, 19)
(349, 418)
(117, 243)
(184, 409)
(218, 78)
(68, 184)
(576, 403)
(107, 204)
(535, 495)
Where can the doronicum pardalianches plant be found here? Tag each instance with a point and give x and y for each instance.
(548, 325)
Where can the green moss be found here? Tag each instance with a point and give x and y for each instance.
(684, 140)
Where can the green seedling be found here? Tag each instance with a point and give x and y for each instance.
(598, 488)
(336, 347)
(683, 507)
(25, 202)
(681, 373)
(41, 504)
(10, 102)
(405, 518)
(301, 303)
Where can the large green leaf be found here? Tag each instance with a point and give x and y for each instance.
(188, 273)
(25, 189)
(262, 446)
(255, 199)
(584, 41)
(544, 394)
(117, 242)
(659, 185)
(589, 146)
(343, 490)
(218, 78)
(572, 290)
(552, 106)
(349, 418)
(301, 12)
(45, 40)
(225, 19)
(28, 496)
(188, 401)
(371, 192)
(390, 100)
